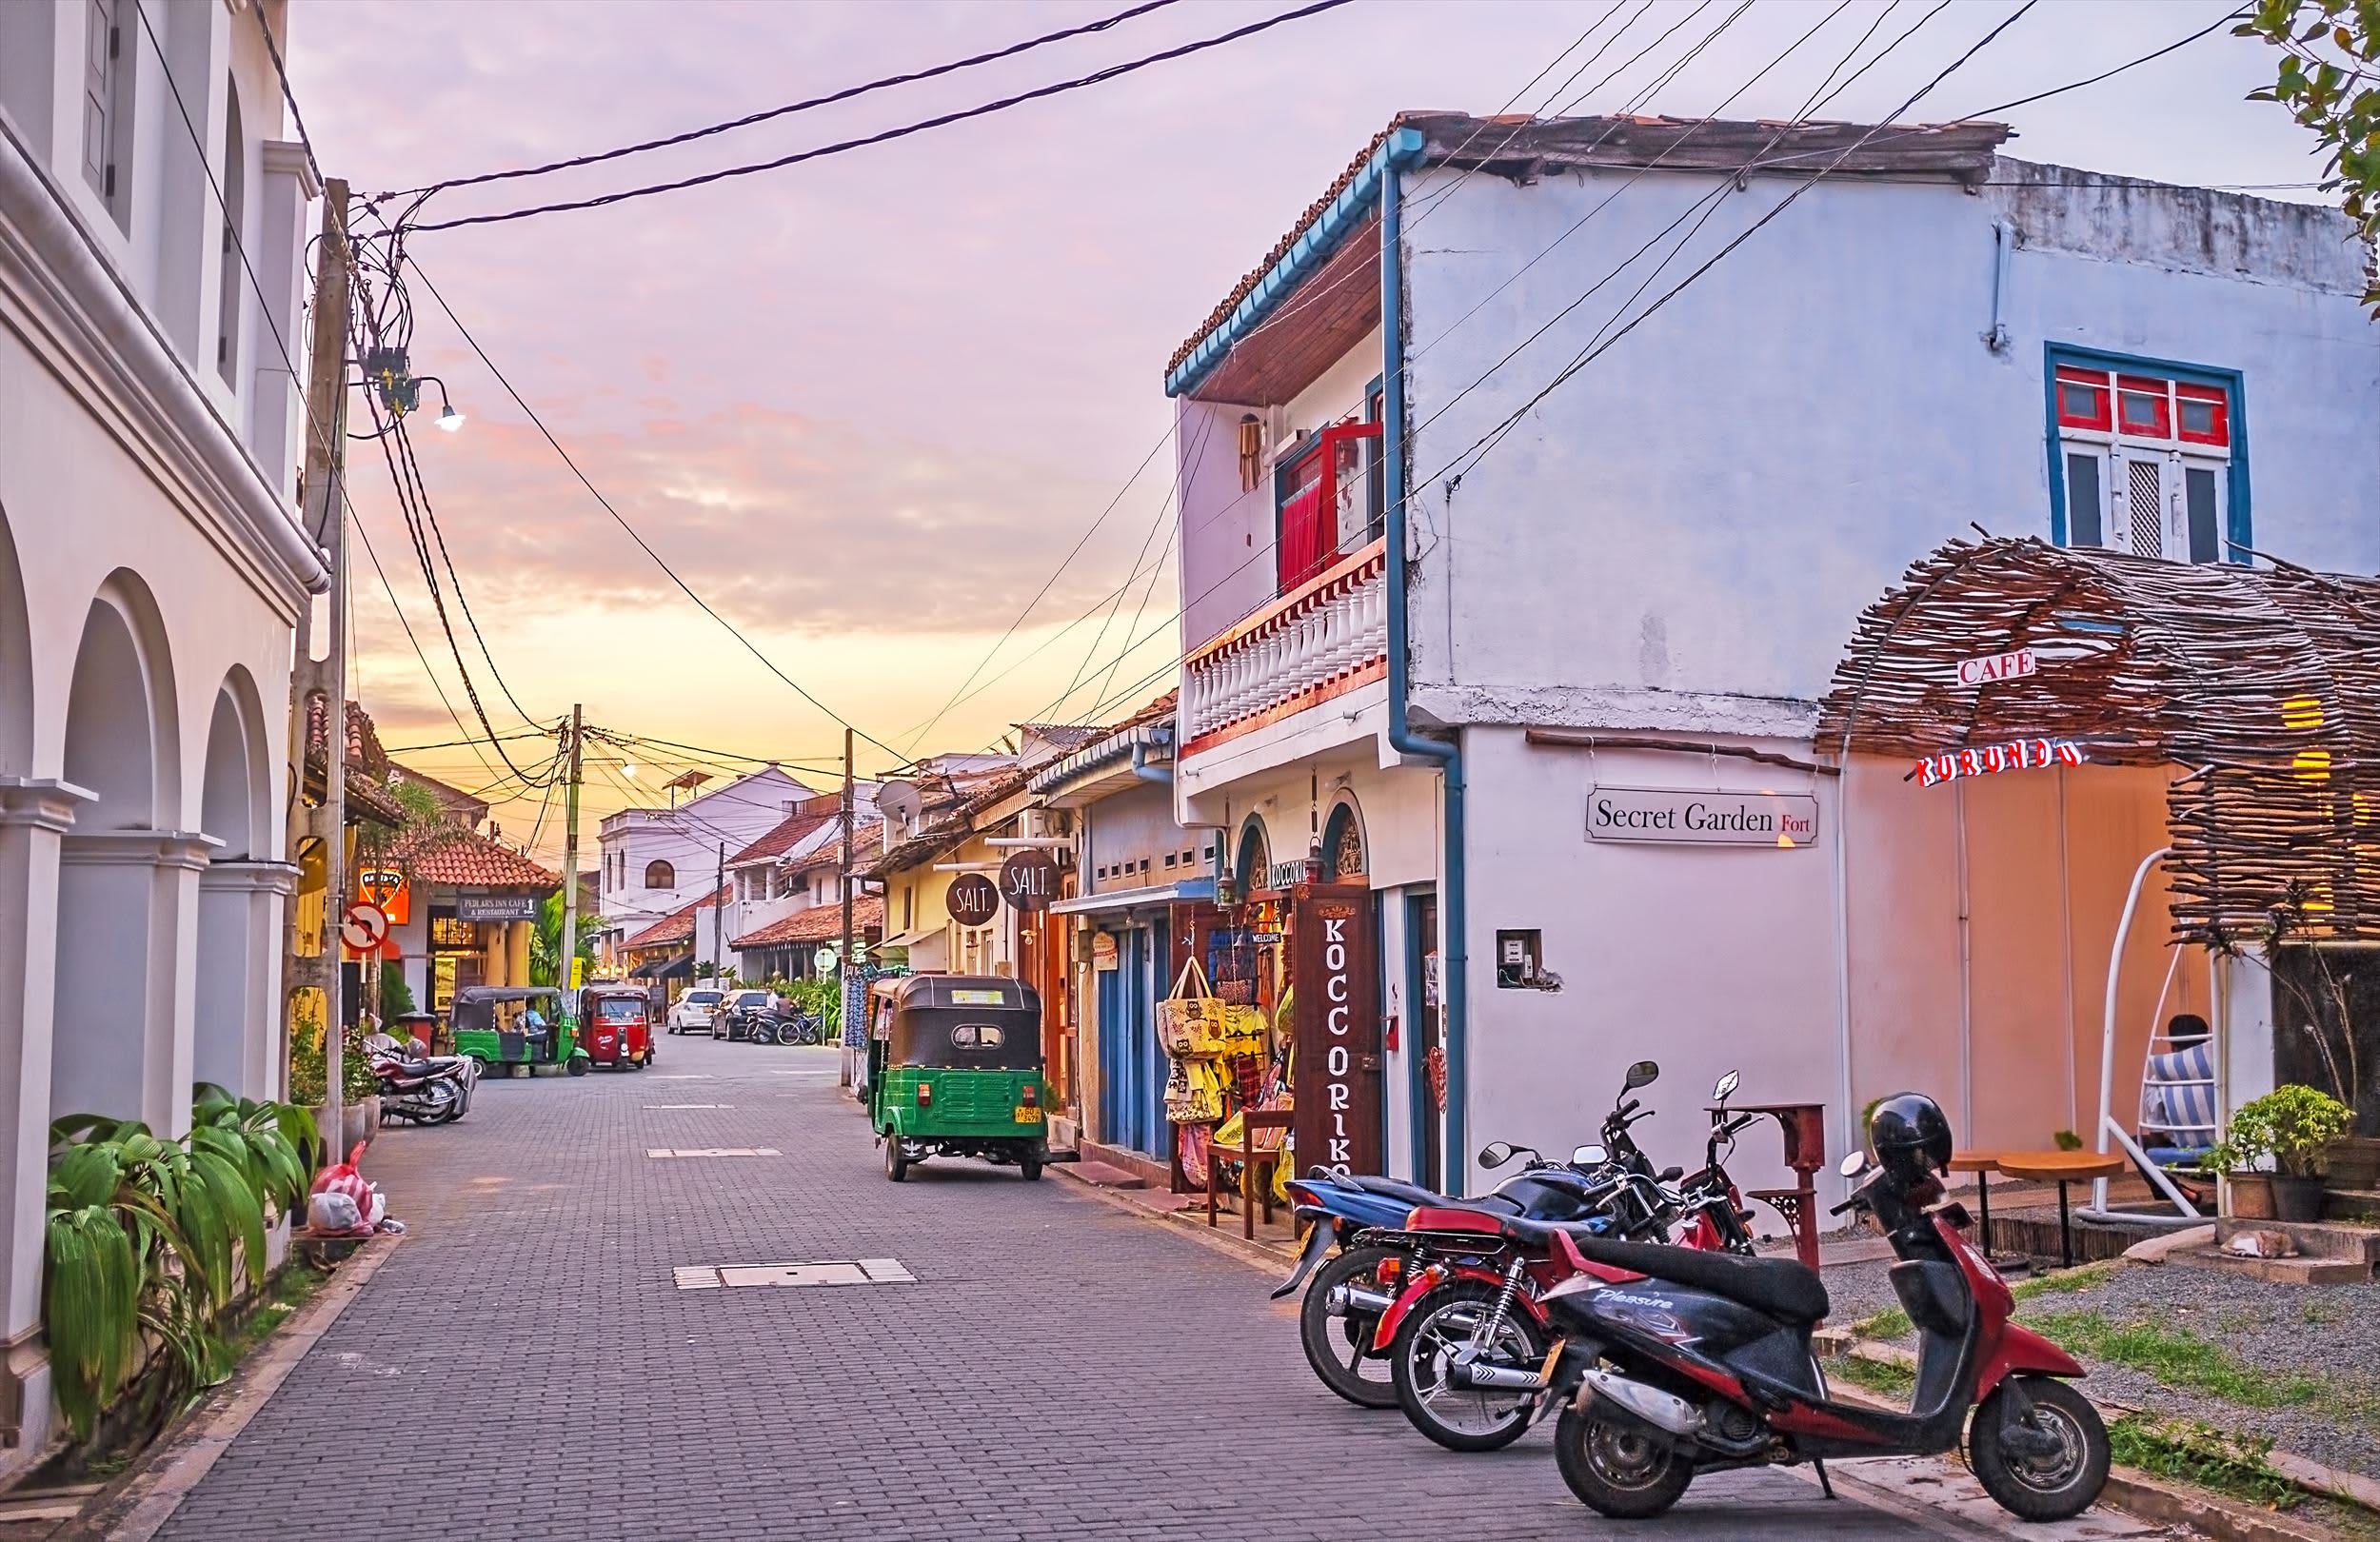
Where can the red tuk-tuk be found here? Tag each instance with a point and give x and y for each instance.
(616, 1024)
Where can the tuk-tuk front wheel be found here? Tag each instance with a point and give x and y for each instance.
(579, 1065)
(895, 1165)
(1031, 1168)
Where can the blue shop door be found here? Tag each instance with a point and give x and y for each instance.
(1132, 1073)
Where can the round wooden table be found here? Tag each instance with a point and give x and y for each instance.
(1981, 1163)
(2061, 1167)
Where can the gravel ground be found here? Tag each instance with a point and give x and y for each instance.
(2327, 1330)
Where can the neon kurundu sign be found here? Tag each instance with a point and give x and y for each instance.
(2024, 755)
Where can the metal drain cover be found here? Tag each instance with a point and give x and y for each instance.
(792, 1276)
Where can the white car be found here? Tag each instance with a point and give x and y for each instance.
(694, 1011)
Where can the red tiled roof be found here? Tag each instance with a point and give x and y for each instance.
(818, 923)
(866, 838)
(466, 860)
(783, 837)
(368, 764)
(678, 926)
(1240, 291)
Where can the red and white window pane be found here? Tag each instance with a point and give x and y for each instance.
(2146, 461)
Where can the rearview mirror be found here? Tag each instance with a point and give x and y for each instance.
(1643, 1073)
(1727, 1086)
(1590, 1156)
(1853, 1164)
(1496, 1153)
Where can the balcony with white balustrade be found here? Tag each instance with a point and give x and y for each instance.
(1325, 637)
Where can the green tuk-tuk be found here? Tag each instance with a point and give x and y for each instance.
(954, 1069)
(493, 1026)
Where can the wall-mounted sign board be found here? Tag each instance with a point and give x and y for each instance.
(2015, 665)
(1663, 814)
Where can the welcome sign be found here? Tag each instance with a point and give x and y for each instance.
(1784, 822)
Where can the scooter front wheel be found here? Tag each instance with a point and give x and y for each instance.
(2044, 1464)
(1618, 1466)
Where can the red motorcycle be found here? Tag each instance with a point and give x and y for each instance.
(1468, 1339)
(1674, 1362)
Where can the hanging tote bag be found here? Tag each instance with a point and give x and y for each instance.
(1190, 1021)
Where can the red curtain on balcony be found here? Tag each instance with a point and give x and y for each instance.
(1308, 534)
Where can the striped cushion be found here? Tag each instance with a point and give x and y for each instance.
(2178, 1096)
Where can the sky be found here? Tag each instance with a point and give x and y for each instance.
(866, 406)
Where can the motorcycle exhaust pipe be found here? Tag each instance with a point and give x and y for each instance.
(1480, 1375)
(1342, 1300)
(1661, 1409)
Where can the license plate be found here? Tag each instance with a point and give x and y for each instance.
(1028, 1116)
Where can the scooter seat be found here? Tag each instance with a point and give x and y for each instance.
(1784, 1287)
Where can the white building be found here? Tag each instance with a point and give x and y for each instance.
(151, 572)
(1665, 552)
(652, 862)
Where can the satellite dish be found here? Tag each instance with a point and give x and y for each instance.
(900, 803)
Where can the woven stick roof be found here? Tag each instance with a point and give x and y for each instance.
(2260, 686)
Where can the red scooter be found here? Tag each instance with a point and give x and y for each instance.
(1677, 1362)
(1467, 1337)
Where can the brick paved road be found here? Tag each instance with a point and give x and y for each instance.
(1062, 1369)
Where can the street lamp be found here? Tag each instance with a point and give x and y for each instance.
(388, 371)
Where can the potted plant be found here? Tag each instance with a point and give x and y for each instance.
(2293, 1125)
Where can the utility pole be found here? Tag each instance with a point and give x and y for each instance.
(323, 826)
(719, 919)
(846, 968)
(570, 870)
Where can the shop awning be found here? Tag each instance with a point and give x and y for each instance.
(1189, 891)
(910, 940)
(2260, 686)
(677, 964)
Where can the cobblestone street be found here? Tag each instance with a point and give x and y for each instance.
(524, 1367)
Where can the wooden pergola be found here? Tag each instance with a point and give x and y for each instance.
(2260, 685)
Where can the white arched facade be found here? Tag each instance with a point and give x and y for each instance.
(239, 895)
(152, 574)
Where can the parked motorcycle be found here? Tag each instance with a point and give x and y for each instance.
(419, 1087)
(1352, 1287)
(1671, 1362)
(1468, 1338)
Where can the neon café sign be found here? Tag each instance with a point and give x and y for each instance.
(2024, 755)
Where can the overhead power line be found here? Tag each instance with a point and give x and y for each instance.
(323, 436)
(621, 520)
(788, 110)
(904, 131)
(1487, 442)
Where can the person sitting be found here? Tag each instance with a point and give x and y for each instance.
(532, 1022)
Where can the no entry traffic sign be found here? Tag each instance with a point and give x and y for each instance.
(364, 926)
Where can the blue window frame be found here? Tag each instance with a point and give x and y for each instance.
(2126, 431)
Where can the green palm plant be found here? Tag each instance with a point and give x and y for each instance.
(149, 1236)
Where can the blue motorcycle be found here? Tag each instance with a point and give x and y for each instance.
(1350, 1279)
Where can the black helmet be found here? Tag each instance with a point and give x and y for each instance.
(1910, 1135)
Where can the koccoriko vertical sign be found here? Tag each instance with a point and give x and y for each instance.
(1335, 1028)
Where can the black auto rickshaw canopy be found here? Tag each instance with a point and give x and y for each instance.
(959, 1021)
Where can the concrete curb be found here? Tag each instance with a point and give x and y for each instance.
(2154, 1499)
(137, 1505)
(1255, 1255)
(2137, 1493)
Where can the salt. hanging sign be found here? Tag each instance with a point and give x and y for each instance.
(2024, 755)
